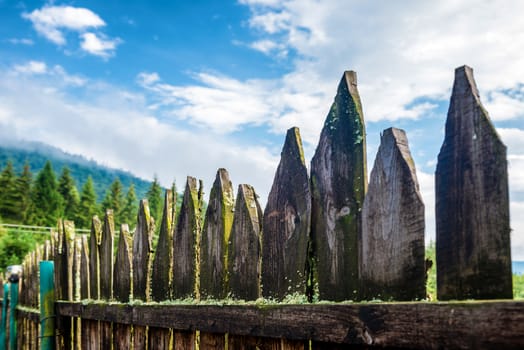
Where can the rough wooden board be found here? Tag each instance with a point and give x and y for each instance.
(215, 238)
(90, 335)
(163, 259)
(160, 338)
(123, 266)
(244, 263)
(107, 256)
(472, 203)
(95, 239)
(185, 242)
(474, 325)
(338, 185)
(122, 336)
(140, 337)
(84, 269)
(392, 265)
(142, 253)
(286, 224)
(210, 341)
(183, 340)
(106, 335)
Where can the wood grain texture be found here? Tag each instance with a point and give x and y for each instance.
(392, 265)
(184, 341)
(472, 201)
(286, 224)
(85, 280)
(107, 256)
(162, 273)
(245, 254)
(185, 242)
(215, 238)
(212, 341)
(122, 336)
(160, 338)
(95, 240)
(143, 253)
(472, 325)
(123, 273)
(338, 185)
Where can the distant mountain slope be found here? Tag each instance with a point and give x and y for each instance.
(36, 154)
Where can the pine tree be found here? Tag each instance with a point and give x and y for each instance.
(154, 197)
(130, 209)
(23, 193)
(69, 193)
(87, 207)
(46, 201)
(114, 199)
(8, 204)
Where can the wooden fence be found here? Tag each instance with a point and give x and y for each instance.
(238, 277)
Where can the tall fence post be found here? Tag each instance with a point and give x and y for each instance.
(47, 305)
(13, 302)
(3, 323)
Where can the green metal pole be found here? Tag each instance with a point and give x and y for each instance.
(12, 317)
(47, 305)
(3, 323)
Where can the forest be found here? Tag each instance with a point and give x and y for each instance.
(41, 198)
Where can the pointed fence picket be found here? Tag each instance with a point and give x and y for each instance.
(328, 237)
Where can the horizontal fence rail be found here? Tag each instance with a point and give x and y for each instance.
(475, 324)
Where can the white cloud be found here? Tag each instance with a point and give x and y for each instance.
(147, 79)
(31, 67)
(50, 20)
(21, 41)
(115, 127)
(39, 68)
(265, 46)
(503, 106)
(97, 45)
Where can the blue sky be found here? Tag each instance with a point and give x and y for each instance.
(179, 88)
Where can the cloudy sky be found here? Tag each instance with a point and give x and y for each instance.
(179, 88)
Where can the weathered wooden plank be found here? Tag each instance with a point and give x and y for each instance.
(107, 256)
(92, 329)
(392, 264)
(84, 269)
(163, 260)
(215, 238)
(106, 274)
(209, 341)
(122, 336)
(123, 285)
(123, 266)
(184, 340)
(338, 185)
(186, 240)
(245, 246)
(254, 343)
(95, 239)
(287, 217)
(77, 291)
(140, 337)
(160, 338)
(64, 278)
(214, 249)
(142, 253)
(454, 325)
(472, 202)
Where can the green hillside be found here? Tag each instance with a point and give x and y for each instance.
(36, 154)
